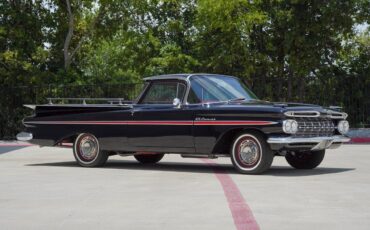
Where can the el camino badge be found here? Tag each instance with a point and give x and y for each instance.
(204, 119)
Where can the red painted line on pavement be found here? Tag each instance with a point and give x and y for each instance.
(242, 214)
(360, 140)
(14, 145)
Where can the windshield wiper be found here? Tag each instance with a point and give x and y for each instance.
(248, 100)
(237, 99)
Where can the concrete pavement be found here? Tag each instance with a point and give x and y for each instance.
(43, 188)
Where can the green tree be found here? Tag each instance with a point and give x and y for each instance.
(299, 50)
(22, 41)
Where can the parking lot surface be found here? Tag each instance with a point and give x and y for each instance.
(43, 188)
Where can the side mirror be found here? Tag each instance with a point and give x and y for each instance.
(177, 103)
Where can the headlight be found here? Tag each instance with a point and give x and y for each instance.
(290, 126)
(343, 127)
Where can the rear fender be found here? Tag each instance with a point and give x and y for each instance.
(67, 139)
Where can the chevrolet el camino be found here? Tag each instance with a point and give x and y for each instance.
(194, 115)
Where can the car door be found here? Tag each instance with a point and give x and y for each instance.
(159, 125)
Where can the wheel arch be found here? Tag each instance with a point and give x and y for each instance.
(224, 142)
(70, 138)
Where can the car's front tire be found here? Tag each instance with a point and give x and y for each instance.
(87, 152)
(149, 158)
(305, 159)
(250, 153)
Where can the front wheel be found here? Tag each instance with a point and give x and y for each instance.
(87, 152)
(149, 158)
(250, 154)
(305, 159)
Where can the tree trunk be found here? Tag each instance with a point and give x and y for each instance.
(290, 79)
(68, 52)
(280, 75)
(301, 89)
(67, 41)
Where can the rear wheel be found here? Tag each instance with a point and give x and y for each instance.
(87, 152)
(305, 159)
(250, 154)
(149, 158)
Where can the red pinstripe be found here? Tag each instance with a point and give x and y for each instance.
(153, 122)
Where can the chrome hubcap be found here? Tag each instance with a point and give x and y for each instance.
(88, 148)
(249, 152)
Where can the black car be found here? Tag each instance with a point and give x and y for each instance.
(195, 115)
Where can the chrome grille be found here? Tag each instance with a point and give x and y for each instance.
(314, 127)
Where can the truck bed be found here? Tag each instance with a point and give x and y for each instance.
(58, 109)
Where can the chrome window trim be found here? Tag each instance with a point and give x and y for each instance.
(207, 104)
(144, 92)
(179, 77)
(145, 88)
(186, 78)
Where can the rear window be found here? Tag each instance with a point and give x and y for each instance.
(164, 92)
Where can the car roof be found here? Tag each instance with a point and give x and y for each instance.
(181, 76)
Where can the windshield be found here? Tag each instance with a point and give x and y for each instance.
(218, 88)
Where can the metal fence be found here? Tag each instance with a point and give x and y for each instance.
(352, 95)
(12, 100)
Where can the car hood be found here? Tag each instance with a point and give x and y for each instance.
(278, 106)
(284, 105)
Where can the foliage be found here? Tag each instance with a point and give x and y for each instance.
(298, 50)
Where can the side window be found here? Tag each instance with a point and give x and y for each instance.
(193, 98)
(199, 94)
(164, 93)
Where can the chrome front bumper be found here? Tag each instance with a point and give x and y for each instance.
(313, 143)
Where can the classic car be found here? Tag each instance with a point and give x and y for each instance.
(194, 115)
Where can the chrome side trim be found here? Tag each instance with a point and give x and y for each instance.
(302, 114)
(23, 136)
(30, 106)
(198, 156)
(330, 114)
(337, 115)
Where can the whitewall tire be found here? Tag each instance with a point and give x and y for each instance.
(87, 152)
(250, 154)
